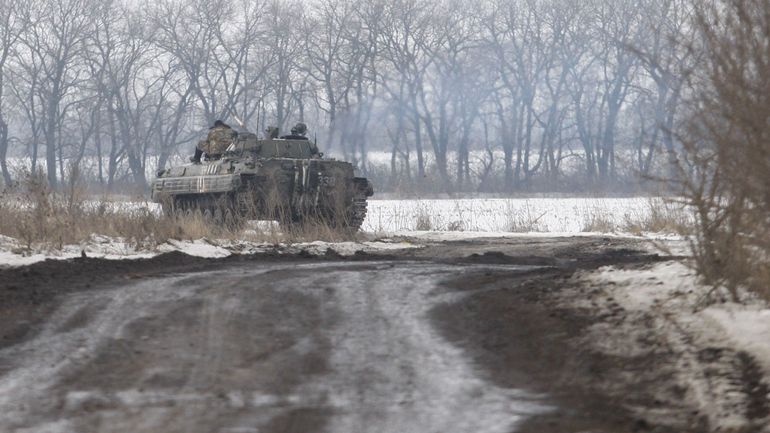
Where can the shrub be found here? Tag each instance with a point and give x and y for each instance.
(725, 169)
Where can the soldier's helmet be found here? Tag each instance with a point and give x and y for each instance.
(271, 132)
(299, 129)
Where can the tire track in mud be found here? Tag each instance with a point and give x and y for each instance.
(41, 363)
(335, 347)
(64, 376)
(392, 370)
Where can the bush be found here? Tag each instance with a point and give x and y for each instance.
(725, 170)
(662, 216)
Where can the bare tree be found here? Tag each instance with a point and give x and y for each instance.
(325, 47)
(360, 68)
(119, 53)
(55, 44)
(13, 23)
(618, 28)
(728, 145)
(450, 105)
(405, 35)
(220, 47)
(285, 42)
(669, 63)
(513, 34)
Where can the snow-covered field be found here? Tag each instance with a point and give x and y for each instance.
(549, 215)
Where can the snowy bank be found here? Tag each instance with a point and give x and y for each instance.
(13, 253)
(717, 345)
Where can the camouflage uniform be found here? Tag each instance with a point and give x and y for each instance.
(219, 138)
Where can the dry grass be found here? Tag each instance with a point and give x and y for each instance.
(42, 219)
(725, 166)
(599, 221)
(426, 220)
(423, 220)
(662, 216)
(524, 220)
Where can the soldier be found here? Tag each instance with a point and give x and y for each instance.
(271, 133)
(298, 132)
(220, 136)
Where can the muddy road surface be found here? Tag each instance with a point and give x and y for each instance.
(453, 337)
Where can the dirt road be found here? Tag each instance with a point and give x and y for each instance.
(454, 337)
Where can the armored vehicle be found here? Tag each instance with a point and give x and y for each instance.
(285, 179)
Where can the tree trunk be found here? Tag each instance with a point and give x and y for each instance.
(35, 149)
(4, 152)
(50, 146)
(112, 164)
(418, 147)
(98, 145)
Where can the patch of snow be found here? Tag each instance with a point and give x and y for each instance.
(663, 302)
(671, 245)
(198, 248)
(747, 327)
(10, 259)
(350, 248)
(13, 254)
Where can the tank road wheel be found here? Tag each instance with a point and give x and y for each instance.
(167, 208)
(246, 204)
(230, 220)
(218, 216)
(289, 220)
(208, 216)
(351, 218)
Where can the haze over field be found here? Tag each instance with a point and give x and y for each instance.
(493, 96)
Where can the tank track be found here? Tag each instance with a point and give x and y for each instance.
(234, 212)
(215, 213)
(357, 213)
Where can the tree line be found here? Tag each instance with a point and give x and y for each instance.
(489, 95)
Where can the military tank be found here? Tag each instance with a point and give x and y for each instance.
(285, 179)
